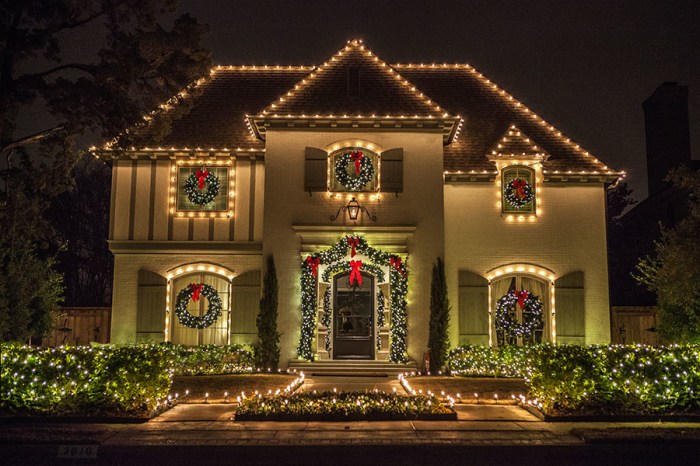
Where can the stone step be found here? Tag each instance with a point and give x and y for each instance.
(355, 368)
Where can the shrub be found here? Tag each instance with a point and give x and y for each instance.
(210, 359)
(621, 379)
(483, 361)
(84, 380)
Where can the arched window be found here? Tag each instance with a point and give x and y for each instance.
(218, 332)
(535, 288)
(344, 170)
(518, 190)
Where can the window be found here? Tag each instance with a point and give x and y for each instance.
(218, 204)
(518, 192)
(215, 334)
(535, 288)
(351, 172)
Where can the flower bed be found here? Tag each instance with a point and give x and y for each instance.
(211, 359)
(342, 406)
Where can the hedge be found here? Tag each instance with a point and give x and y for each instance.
(104, 380)
(632, 379)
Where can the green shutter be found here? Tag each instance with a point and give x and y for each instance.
(392, 171)
(315, 170)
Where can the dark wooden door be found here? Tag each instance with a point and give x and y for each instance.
(353, 328)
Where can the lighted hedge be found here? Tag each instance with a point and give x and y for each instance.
(348, 404)
(616, 379)
(598, 378)
(105, 379)
(211, 359)
(93, 381)
(484, 361)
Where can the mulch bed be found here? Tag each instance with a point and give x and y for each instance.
(234, 384)
(611, 417)
(342, 418)
(486, 387)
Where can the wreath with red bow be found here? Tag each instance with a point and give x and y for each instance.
(194, 291)
(195, 184)
(354, 170)
(518, 193)
(531, 306)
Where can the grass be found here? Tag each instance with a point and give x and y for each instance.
(216, 385)
(486, 387)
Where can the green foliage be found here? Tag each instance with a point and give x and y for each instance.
(104, 380)
(615, 379)
(597, 378)
(210, 359)
(484, 361)
(30, 288)
(674, 272)
(268, 348)
(341, 404)
(438, 339)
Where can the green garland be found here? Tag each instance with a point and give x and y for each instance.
(327, 316)
(352, 182)
(508, 325)
(398, 283)
(344, 266)
(381, 320)
(511, 193)
(213, 313)
(196, 195)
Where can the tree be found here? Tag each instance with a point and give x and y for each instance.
(268, 349)
(673, 272)
(80, 218)
(438, 341)
(102, 90)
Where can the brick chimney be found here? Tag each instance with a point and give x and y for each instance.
(667, 133)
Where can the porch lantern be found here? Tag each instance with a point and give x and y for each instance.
(354, 209)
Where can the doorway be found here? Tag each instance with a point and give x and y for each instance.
(353, 311)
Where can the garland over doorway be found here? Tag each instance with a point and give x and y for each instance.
(398, 283)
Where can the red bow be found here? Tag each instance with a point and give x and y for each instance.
(396, 263)
(353, 243)
(519, 186)
(201, 176)
(356, 156)
(522, 296)
(355, 272)
(196, 289)
(313, 263)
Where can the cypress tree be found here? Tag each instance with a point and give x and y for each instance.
(268, 349)
(438, 342)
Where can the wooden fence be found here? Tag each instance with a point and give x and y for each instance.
(634, 324)
(80, 326)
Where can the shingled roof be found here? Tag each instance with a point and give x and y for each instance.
(231, 109)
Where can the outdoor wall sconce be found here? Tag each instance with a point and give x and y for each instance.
(354, 209)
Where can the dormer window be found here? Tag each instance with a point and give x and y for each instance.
(518, 190)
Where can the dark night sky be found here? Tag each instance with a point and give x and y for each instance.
(584, 66)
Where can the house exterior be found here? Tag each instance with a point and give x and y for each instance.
(435, 160)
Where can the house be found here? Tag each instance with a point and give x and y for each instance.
(355, 175)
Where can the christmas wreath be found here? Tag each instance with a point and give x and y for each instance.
(518, 193)
(362, 170)
(194, 187)
(532, 319)
(193, 291)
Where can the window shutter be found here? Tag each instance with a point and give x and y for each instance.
(315, 170)
(150, 310)
(571, 311)
(392, 171)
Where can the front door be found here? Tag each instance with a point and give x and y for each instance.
(353, 328)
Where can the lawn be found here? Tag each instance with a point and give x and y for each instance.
(216, 385)
(486, 387)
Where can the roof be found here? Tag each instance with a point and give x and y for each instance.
(232, 108)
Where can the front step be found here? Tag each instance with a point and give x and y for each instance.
(355, 368)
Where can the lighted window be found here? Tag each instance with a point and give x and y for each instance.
(353, 169)
(219, 203)
(537, 291)
(518, 190)
(215, 334)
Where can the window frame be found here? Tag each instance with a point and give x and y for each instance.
(183, 205)
(546, 311)
(336, 187)
(506, 209)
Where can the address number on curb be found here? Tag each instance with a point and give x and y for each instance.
(77, 451)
